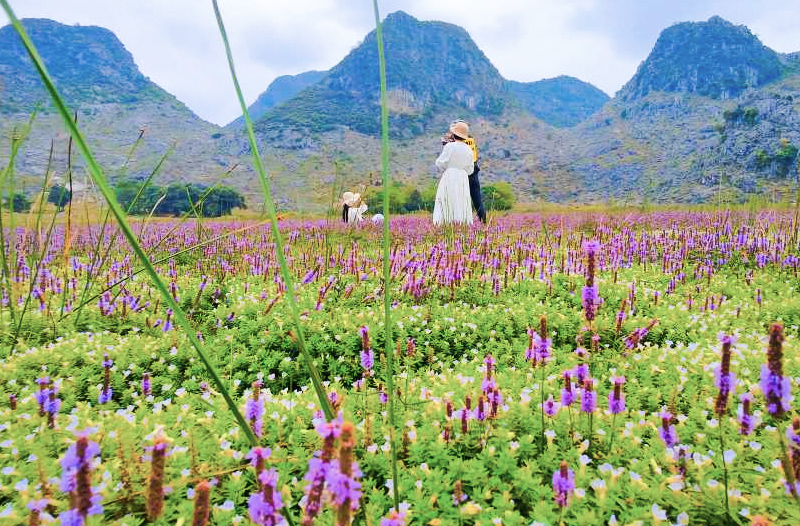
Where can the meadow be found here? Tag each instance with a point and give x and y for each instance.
(505, 369)
(595, 367)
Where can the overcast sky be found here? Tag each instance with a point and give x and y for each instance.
(177, 45)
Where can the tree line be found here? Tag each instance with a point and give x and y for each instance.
(139, 198)
(405, 198)
(177, 199)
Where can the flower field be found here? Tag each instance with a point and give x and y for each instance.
(585, 368)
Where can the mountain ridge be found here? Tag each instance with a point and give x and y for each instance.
(657, 139)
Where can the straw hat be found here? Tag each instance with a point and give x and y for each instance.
(350, 198)
(460, 129)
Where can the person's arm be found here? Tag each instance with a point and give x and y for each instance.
(444, 158)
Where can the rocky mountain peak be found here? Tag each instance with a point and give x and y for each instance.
(432, 69)
(714, 58)
(89, 65)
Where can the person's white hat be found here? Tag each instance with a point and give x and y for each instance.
(377, 218)
(350, 199)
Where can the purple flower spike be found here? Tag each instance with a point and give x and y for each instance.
(747, 422)
(76, 479)
(777, 388)
(616, 398)
(588, 397)
(667, 431)
(563, 485)
(367, 360)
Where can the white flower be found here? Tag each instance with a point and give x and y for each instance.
(658, 513)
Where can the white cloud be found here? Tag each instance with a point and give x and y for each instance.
(176, 42)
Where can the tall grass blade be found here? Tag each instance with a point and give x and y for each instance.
(8, 260)
(99, 256)
(100, 180)
(387, 275)
(269, 205)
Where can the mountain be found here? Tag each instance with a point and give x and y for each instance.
(714, 58)
(89, 65)
(710, 114)
(113, 101)
(435, 73)
(281, 89)
(562, 101)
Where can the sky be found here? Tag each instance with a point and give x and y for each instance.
(177, 44)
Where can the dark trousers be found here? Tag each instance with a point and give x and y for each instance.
(475, 194)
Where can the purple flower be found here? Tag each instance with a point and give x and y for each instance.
(105, 396)
(616, 398)
(724, 379)
(550, 406)
(76, 479)
(747, 422)
(568, 391)
(395, 518)
(367, 360)
(147, 385)
(490, 363)
(309, 277)
(581, 373)
(263, 505)
(364, 332)
(258, 455)
(589, 299)
(588, 397)
(777, 388)
(563, 484)
(254, 410)
(667, 431)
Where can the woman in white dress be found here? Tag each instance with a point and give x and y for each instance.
(453, 204)
(353, 207)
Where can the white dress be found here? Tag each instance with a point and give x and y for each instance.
(453, 204)
(355, 214)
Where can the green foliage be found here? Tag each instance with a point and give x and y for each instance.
(763, 159)
(750, 116)
(403, 198)
(785, 157)
(177, 199)
(19, 202)
(59, 196)
(499, 196)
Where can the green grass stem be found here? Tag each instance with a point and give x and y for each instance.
(269, 205)
(387, 275)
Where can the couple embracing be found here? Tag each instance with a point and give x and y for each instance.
(459, 187)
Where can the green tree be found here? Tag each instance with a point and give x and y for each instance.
(785, 157)
(498, 196)
(59, 196)
(18, 202)
(126, 191)
(220, 201)
(396, 199)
